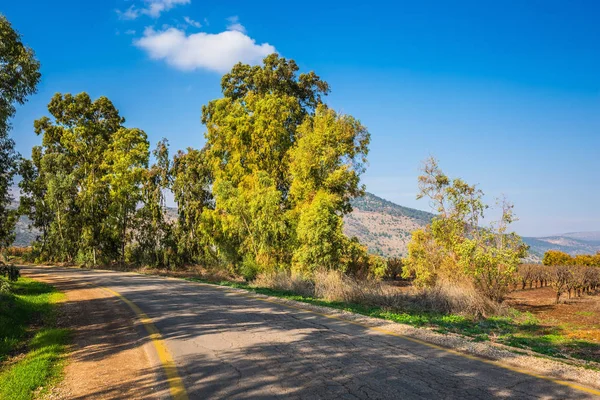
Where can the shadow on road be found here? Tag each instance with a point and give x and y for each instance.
(231, 346)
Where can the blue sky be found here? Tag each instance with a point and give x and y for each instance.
(505, 94)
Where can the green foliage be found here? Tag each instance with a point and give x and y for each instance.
(320, 235)
(268, 192)
(31, 304)
(284, 168)
(155, 244)
(455, 247)
(192, 180)
(19, 77)
(125, 164)
(9, 272)
(82, 186)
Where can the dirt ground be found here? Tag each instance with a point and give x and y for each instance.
(578, 317)
(109, 358)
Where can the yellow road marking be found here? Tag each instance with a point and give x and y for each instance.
(419, 341)
(176, 386)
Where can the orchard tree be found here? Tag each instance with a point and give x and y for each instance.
(19, 76)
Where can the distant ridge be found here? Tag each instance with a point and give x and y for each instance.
(385, 228)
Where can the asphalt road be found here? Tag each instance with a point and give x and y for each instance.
(229, 346)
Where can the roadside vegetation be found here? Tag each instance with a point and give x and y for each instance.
(31, 346)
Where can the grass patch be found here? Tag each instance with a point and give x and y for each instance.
(517, 329)
(585, 313)
(27, 325)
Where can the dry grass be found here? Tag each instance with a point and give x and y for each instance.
(15, 251)
(453, 298)
(335, 286)
(285, 281)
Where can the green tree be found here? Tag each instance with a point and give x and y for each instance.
(125, 164)
(272, 146)
(82, 186)
(252, 216)
(19, 76)
(155, 244)
(33, 201)
(455, 246)
(320, 235)
(192, 180)
(78, 140)
(326, 162)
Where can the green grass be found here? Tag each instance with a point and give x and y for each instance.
(585, 313)
(520, 330)
(27, 325)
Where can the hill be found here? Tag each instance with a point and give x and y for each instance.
(565, 243)
(384, 227)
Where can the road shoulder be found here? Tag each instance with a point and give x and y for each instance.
(110, 357)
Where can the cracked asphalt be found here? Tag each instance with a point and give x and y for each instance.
(230, 346)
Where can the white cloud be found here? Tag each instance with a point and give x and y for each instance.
(156, 7)
(130, 32)
(191, 22)
(153, 8)
(215, 52)
(130, 13)
(234, 24)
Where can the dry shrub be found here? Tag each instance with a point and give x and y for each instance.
(454, 298)
(15, 251)
(337, 286)
(445, 297)
(285, 280)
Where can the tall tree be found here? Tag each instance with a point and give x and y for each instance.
(83, 184)
(125, 163)
(33, 202)
(192, 182)
(155, 244)
(272, 145)
(19, 76)
(326, 163)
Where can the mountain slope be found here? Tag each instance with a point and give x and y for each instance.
(384, 227)
(564, 243)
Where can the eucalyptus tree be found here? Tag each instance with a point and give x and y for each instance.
(262, 139)
(154, 241)
(82, 186)
(19, 77)
(191, 186)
